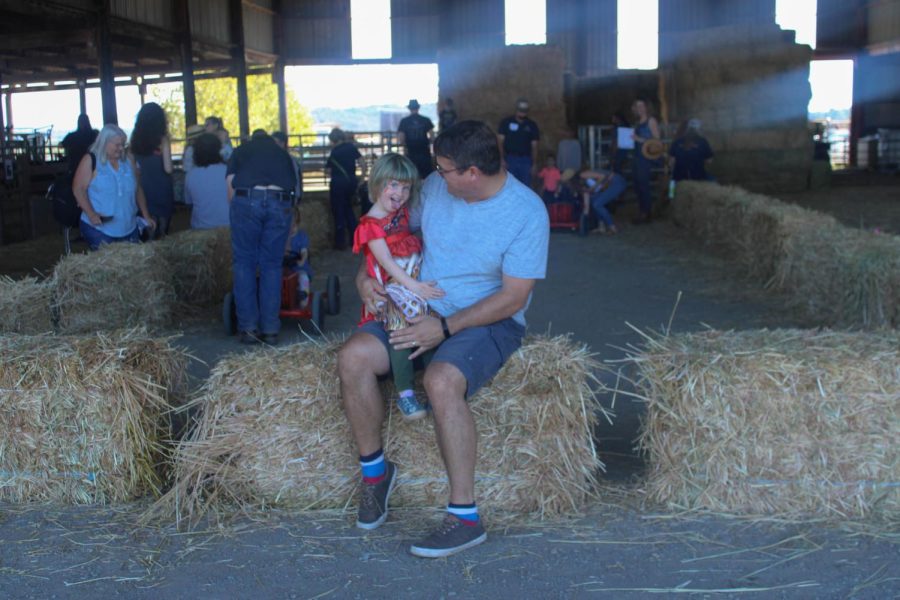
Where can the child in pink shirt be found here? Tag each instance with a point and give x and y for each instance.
(550, 175)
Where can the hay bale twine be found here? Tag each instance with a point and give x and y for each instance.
(83, 417)
(272, 432)
(784, 422)
(25, 305)
(118, 286)
(201, 265)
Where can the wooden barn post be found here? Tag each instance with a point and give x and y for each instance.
(238, 55)
(107, 74)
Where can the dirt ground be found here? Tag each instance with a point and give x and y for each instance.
(622, 547)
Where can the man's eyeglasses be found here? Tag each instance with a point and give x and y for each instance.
(442, 171)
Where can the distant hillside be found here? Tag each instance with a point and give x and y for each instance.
(833, 114)
(366, 118)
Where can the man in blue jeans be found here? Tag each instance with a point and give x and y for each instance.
(519, 137)
(261, 179)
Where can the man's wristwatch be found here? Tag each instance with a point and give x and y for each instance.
(445, 328)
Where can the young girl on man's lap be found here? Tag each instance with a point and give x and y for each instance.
(393, 257)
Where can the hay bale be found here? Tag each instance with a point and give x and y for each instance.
(119, 286)
(783, 422)
(25, 306)
(842, 276)
(272, 432)
(83, 417)
(315, 215)
(836, 275)
(201, 265)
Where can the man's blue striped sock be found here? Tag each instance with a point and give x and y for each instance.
(373, 467)
(467, 513)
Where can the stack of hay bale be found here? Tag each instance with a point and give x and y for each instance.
(837, 275)
(25, 306)
(84, 418)
(317, 221)
(749, 85)
(120, 285)
(200, 261)
(272, 432)
(783, 422)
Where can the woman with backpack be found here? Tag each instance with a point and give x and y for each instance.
(108, 192)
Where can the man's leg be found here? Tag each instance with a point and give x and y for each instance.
(360, 361)
(461, 365)
(275, 229)
(455, 428)
(246, 228)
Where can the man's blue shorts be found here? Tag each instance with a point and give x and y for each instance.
(478, 352)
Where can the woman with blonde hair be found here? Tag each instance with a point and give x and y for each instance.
(108, 192)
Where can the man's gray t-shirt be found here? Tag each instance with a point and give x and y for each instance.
(470, 246)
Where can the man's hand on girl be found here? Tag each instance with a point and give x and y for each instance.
(423, 334)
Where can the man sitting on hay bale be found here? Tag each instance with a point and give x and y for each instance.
(485, 237)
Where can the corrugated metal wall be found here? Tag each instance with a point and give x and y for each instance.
(416, 30)
(884, 22)
(158, 13)
(687, 15)
(838, 25)
(475, 24)
(209, 20)
(317, 31)
(585, 30)
(82, 4)
(600, 37)
(259, 28)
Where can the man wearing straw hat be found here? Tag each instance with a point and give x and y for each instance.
(485, 235)
(187, 157)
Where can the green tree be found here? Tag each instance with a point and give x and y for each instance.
(219, 97)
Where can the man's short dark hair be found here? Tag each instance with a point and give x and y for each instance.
(207, 148)
(470, 144)
(259, 133)
(280, 136)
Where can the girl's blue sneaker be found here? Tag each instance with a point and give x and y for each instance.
(410, 408)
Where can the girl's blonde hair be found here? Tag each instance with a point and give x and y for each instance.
(397, 167)
(295, 218)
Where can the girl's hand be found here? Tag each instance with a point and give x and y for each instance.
(427, 289)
